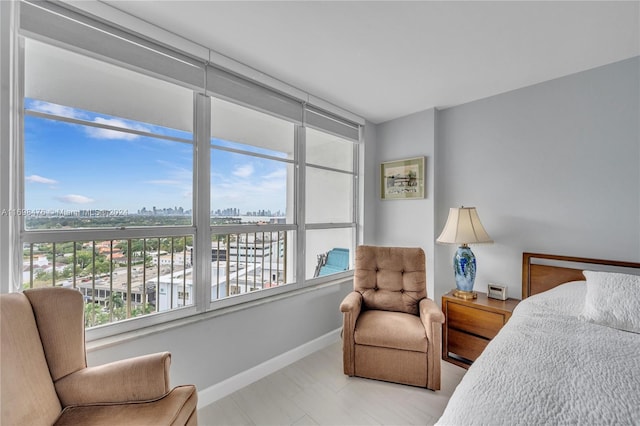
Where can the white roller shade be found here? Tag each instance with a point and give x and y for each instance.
(235, 123)
(229, 86)
(327, 150)
(322, 120)
(48, 21)
(56, 24)
(65, 78)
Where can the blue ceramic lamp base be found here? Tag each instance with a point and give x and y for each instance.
(464, 267)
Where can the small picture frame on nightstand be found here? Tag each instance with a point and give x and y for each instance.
(496, 291)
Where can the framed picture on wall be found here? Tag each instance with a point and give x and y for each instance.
(402, 179)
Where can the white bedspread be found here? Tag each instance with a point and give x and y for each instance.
(547, 367)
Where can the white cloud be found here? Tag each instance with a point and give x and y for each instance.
(99, 133)
(55, 109)
(277, 174)
(40, 179)
(243, 171)
(75, 199)
(94, 132)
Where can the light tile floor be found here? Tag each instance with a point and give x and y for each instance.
(314, 391)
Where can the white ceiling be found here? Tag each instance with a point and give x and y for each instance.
(386, 59)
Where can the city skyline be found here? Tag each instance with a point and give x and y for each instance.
(80, 167)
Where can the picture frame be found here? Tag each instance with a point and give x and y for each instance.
(402, 179)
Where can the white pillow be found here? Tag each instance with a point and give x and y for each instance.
(613, 300)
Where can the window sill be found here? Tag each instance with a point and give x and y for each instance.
(98, 343)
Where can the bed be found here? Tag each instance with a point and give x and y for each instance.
(570, 354)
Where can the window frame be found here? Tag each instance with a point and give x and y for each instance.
(201, 228)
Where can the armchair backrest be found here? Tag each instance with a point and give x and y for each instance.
(391, 278)
(59, 314)
(27, 393)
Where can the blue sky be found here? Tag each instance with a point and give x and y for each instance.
(71, 166)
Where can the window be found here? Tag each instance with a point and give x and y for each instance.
(252, 183)
(330, 209)
(103, 154)
(103, 159)
(78, 165)
(251, 165)
(160, 186)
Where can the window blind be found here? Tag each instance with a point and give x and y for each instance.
(328, 122)
(72, 80)
(229, 86)
(73, 30)
(52, 22)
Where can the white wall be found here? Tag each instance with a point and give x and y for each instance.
(407, 223)
(207, 352)
(552, 168)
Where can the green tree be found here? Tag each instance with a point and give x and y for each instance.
(101, 266)
(139, 310)
(67, 272)
(137, 246)
(116, 301)
(84, 259)
(152, 244)
(67, 247)
(93, 315)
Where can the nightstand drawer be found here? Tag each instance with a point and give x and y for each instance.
(466, 345)
(475, 321)
(470, 325)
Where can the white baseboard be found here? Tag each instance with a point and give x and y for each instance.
(234, 383)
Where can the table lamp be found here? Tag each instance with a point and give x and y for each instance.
(463, 227)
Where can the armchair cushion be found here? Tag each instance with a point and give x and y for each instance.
(178, 407)
(390, 278)
(395, 330)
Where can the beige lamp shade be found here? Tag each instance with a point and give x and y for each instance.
(463, 227)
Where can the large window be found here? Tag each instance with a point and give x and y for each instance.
(98, 156)
(86, 170)
(99, 150)
(252, 200)
(159, 197)
(252, 162)
(330, 208)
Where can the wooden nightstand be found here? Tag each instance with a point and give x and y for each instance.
(470, 325)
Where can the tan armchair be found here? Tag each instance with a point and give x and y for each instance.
(391, 331)
(45, 379)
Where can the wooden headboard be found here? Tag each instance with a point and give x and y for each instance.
(541, 272)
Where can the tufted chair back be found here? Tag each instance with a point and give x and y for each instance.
(391, 278)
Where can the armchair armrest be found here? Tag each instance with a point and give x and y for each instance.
(352, 303)
(135, 379)
(429, 312)
(431, 317)
(350, 306)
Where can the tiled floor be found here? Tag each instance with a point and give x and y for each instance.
(314, 391)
